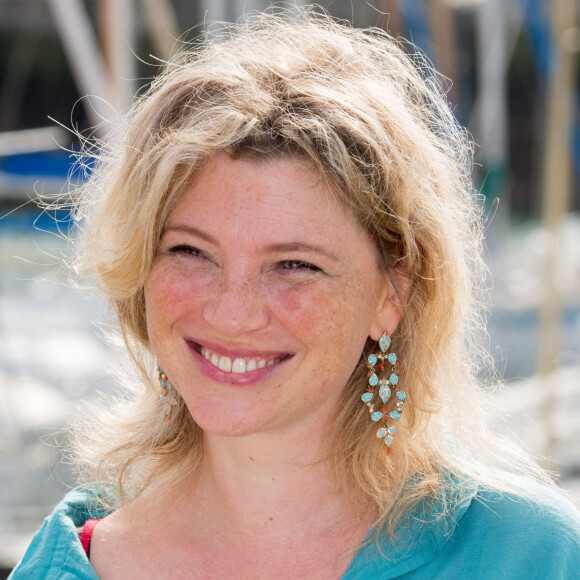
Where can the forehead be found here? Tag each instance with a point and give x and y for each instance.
(255, 175)
(273, 197)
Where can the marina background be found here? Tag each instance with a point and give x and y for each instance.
(510, 68)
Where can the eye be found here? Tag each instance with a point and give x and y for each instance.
(298, 265)
(186, 250)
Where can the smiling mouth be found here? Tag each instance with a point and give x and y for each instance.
(239, 365)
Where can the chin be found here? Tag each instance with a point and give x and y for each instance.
(225, 422)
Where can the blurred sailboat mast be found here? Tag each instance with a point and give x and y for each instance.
(83, 52)
(116, 25)
(104, 65)
(491, 106)
(555, 201)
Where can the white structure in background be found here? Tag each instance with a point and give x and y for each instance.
(82, 49)
(102, 61)
(492, 99)
(231, 10)
(103, 64)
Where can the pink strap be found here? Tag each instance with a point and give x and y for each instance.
(86, 534)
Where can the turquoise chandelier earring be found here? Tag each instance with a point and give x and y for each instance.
(167, 398)
(386, 388)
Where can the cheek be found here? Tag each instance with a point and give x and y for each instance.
(328, 327)
(305, 310)
(322, 310)
(334, 325)
(169, 296)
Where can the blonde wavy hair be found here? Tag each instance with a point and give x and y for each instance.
(372, 119)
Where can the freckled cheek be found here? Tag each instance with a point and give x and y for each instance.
(298, 308)
(171, 296)
(318, 314)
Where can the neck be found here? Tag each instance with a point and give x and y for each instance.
(248, 484)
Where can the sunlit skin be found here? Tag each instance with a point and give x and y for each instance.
(257, 261)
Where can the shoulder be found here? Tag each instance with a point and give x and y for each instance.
(536, 504)
(55, 550)
(531, 533)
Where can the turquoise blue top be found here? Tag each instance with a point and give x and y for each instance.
(491, 536)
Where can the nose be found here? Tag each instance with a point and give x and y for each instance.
(236, 306)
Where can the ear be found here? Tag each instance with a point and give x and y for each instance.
(392, 300)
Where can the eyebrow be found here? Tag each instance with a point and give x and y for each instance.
(281, 247)
(300, 247)
(190, 230)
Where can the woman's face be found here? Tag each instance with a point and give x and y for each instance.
(261, 297)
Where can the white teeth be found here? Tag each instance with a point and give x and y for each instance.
(239, 365)
(225, 364)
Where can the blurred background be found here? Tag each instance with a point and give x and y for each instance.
(512, 77)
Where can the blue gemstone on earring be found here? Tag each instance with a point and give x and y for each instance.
(392, 431)
(393, 379)
(381, 432)
(385, 342)
(401, 395)
(388, 440)
(366, 397)
(160, 399)
(372, 359)
(376, 415)
(385, 393)
(373, 380)
(392, 358)
(395, 415)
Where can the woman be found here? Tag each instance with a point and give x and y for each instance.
(290, 244)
